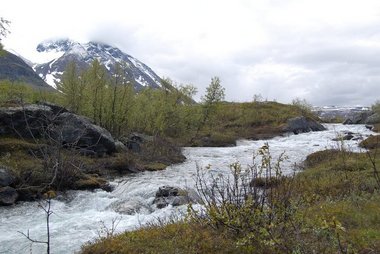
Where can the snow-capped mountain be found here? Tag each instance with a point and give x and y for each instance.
(64, 51)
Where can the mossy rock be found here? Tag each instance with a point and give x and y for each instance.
(154, 166)
(90, 182)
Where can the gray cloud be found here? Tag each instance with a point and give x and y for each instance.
(323, 51)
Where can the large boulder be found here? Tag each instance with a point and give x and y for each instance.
(373, 119)
(167, 195)
(302, 124)
(78, 131)
(6, 177)
(49, 120)
(358, 118)
(25, 121)
(8, 196)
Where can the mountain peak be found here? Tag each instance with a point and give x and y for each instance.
(85, 53)
(55, 45)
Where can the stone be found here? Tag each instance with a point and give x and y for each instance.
(39, 120)
(8, 196)
(358, 118)
(6, 177)
(135, 140)
(120, 147)
(167, 195)
(345, 137)
(302, 124)
(77, 131)
(373, 119)
(26, 121)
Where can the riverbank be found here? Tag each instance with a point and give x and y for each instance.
(333, 207)
(44, 147)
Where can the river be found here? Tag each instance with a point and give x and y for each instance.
(78, 215)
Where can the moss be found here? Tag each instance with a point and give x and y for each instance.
(154, 166)
(89, 182)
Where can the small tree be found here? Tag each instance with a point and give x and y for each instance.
(214, 92)
(46, 207)
(71, 87)
(214, 95)
(304, 106)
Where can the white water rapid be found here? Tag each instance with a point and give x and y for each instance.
(77, 216)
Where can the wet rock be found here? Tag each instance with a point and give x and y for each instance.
(8, 196)
(167, 195)
(302, 124)
(369, 127)
(6, 177)
(345, 137)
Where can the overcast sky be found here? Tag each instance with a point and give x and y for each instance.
(326, 51)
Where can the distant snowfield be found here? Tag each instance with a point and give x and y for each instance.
(77, 216)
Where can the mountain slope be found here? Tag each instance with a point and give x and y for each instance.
(13, 68)
(83, 54)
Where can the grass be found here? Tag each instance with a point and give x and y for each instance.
(166, 239)
(249, 120)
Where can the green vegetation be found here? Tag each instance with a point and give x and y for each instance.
(330, 207)
(17, 93)
(376, 107)
(170, 112)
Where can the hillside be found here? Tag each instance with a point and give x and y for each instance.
(13, 68)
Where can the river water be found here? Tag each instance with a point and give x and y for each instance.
(79, 215)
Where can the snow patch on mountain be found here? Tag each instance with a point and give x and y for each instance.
(64, 51)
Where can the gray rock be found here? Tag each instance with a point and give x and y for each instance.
(39, 120)
(78, 131)
(6, 177)
(135, 140)
(373, 119)
(120, 147)
(345, 137)
(8, 196)
(167, 195)
(358, 118)
(302, 124)
(27, 121)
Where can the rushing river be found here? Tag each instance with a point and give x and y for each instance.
(78, 216)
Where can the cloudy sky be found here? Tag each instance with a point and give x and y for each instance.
(326, 51)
